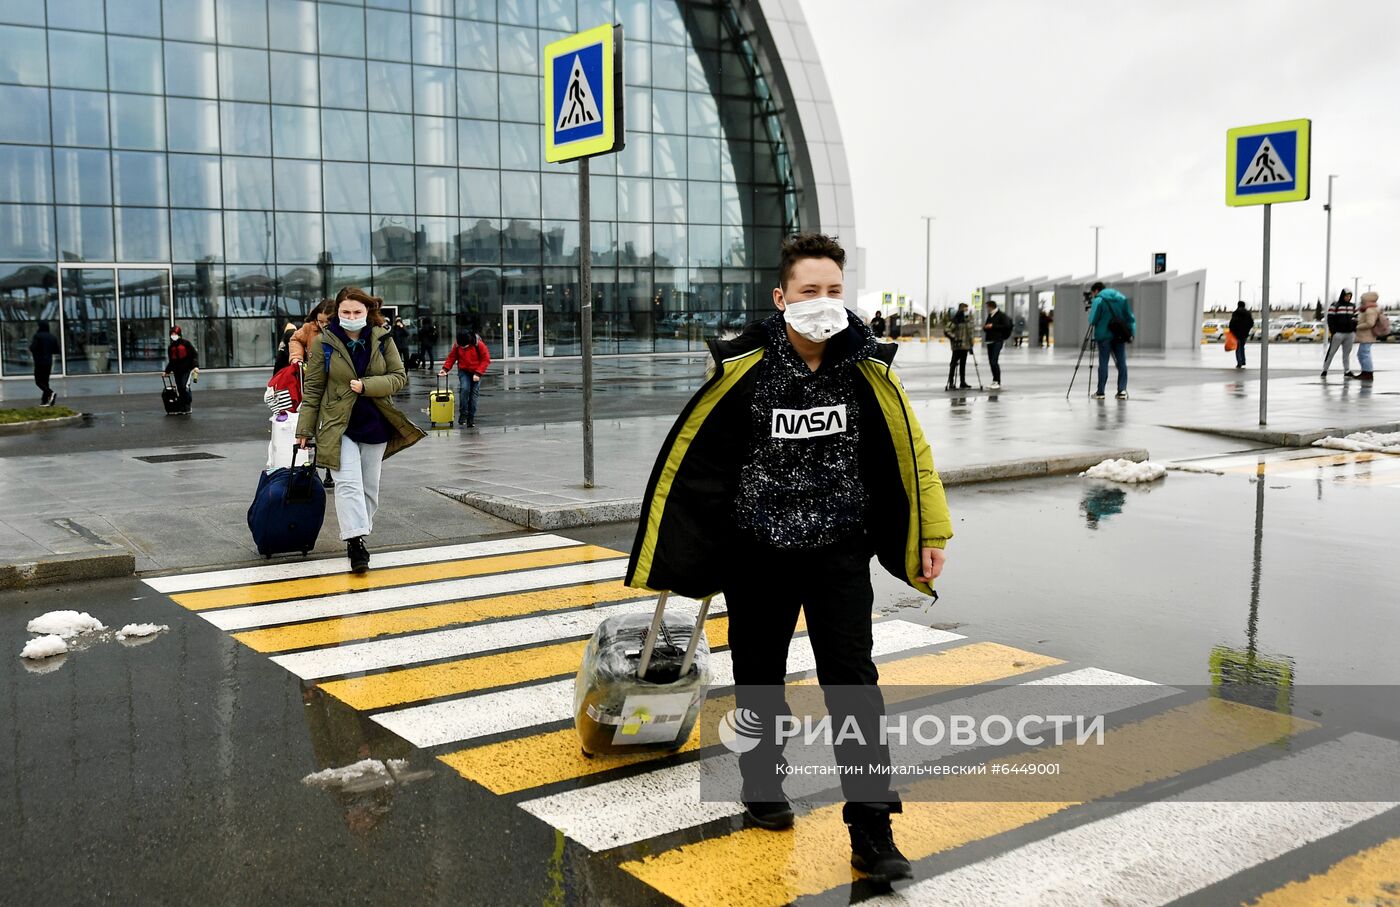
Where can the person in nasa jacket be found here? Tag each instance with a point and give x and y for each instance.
(798, 461)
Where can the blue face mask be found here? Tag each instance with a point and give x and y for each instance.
(355, 324)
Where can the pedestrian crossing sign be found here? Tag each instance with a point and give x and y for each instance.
(582, 95)
(1268, 163)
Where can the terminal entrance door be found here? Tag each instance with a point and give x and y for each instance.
(522, 332)
(114, 319)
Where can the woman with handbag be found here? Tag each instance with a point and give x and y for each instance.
(353, 369)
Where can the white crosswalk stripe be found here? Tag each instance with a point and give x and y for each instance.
(189, 582)
(472, 640)
(343, 604)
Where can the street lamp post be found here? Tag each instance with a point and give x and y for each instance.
(1096, 230)
(1300, 297)
(1327, 274)
(1239, 291)
(928, 271)
(1355, 285)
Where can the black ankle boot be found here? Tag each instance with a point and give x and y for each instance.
(774, 815)
(873, 851)
(358, 554)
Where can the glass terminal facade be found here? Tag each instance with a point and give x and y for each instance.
(225, 164)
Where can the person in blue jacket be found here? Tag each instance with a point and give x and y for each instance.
(1111, 316)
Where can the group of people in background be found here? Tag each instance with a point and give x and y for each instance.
(1348, 326)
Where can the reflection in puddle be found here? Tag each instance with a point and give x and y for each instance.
(1245, 675)
(361, 764)
(1101, 502)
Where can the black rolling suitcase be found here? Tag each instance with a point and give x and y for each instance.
(642, 682)
(288, 508)
(170, 397)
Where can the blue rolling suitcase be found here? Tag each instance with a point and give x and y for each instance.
(288, 509)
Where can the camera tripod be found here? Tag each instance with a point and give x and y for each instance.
(972, 352)
(1083, 348)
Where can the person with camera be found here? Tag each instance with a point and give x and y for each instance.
(1111, 317)
(995, 332)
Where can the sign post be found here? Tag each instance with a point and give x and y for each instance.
(583, 117)
(1267, 164)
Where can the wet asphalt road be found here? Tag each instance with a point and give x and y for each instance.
(170, 772)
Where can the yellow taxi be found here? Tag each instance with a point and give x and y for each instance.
(1307, 332)
(1214, 331)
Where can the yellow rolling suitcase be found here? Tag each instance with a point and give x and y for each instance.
(442, 403)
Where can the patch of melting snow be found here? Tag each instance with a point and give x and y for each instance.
(139, 630)
(1125, 471)
(44, 647)
(67, 624)
(1382, 442)
(365, 775)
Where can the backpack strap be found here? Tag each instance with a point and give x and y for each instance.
(326, 348)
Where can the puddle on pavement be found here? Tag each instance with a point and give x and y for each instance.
(1183, 579)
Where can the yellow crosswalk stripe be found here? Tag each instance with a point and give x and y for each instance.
(470, 675)
(432, 617)
(1370, 878)
(393, 576)
(528, 762)
(758, 867)
(1284, 465)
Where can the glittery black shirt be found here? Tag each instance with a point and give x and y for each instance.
(804, 492)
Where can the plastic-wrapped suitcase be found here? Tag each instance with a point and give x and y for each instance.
(442, 403)
(642, 682)
(170, 397)
(288, 509)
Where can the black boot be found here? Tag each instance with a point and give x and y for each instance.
(873, 851)
(359, 555)
(774, 815)
(330, 480)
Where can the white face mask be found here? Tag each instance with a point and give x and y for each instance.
(174, 337)
(354, 324)
(816, 319)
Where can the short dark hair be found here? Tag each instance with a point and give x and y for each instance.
(1098, 285)
(991, 303)
(808, 245)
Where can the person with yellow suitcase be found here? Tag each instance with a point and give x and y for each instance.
(472, 357)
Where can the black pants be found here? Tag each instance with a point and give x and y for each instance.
(994, 358)
(425, 350)
(831, 585)
(958, 364)
(182, 385)
(41, 378)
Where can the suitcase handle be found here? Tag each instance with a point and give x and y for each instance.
(310, 456)
(442, 384)
(655, 629)
(167, 381)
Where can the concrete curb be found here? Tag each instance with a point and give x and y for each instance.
(553, 517)
(1060, 464)
(549, 517)
(19, 428)
(51, 571)
(1302, 438)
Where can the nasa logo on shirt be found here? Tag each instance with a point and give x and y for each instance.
(809, 423)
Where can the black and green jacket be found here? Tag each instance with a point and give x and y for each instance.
(687, 528)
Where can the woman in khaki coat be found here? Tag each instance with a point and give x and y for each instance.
(353, 369)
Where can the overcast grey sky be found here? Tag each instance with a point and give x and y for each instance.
(1019, 123)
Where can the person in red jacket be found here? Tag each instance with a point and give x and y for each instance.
(472, 358)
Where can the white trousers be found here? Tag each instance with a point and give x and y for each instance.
(357, 487)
